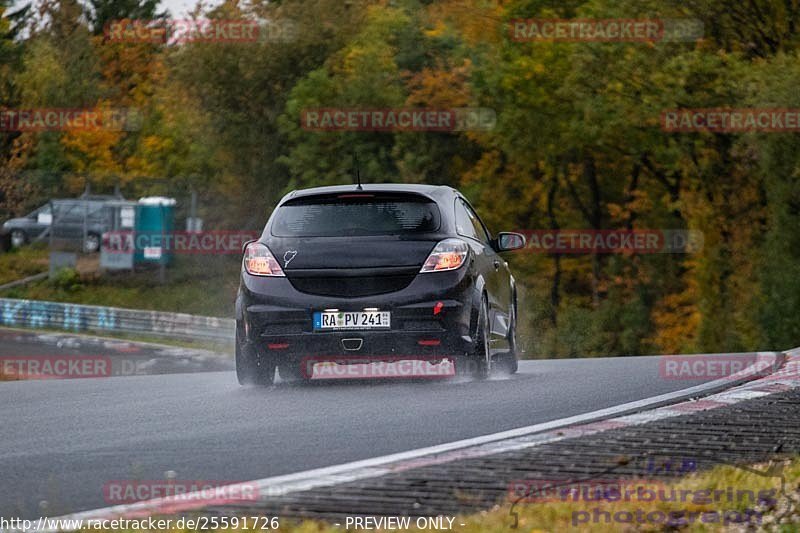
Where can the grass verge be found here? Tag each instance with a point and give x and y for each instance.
(198, 285)
(21, 263)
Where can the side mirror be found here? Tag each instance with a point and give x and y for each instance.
(507, 241)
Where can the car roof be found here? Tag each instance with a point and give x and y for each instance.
(434, 192)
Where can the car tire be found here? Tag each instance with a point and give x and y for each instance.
(91, 244)
(252, 368)
(508, 362)
(478, 363)
(18, 238)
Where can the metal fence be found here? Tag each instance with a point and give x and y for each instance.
(75, 317)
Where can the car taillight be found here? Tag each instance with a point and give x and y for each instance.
(448, 254)
(258, 261)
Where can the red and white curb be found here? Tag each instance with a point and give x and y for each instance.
(737, 389)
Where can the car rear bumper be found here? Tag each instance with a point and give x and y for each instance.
(431, 317)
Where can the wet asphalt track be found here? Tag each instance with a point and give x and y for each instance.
(63, 440)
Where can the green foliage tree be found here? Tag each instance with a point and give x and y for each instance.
(577, 144)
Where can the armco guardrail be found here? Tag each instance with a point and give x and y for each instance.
(75, 317)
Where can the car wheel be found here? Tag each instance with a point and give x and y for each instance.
(18, 238)
(92, 243)
(251, 368)
(508, 361)
(478, 363)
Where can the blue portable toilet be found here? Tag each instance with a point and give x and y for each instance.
(155, 223)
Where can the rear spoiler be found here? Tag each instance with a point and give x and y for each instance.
(356, 195)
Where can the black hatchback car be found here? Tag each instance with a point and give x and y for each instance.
(349, 275)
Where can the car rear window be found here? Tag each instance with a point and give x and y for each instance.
(356, 215)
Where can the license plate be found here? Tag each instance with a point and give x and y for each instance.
(351, 320)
